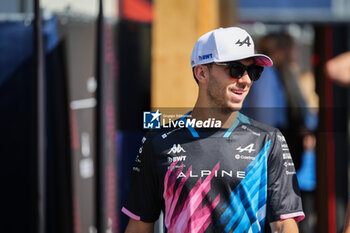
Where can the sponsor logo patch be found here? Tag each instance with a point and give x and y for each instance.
(249, 148)
(205, 56)
(245, 157)
(176, 149)
(281, 138)
(290, 173)
(288, 164)
(245, 41)
(177, 158)
(287, 156)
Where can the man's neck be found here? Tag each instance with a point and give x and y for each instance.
(226, 117)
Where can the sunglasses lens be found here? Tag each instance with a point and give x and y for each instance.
(254, 72)
(236, 70)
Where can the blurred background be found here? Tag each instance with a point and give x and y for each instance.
(76, 76)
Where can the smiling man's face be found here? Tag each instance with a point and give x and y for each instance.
(226, 92)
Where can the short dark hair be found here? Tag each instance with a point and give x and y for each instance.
(194, 75)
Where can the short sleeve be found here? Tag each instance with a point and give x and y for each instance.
(283, 195)
(143, 202)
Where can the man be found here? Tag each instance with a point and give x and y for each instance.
(229, 179)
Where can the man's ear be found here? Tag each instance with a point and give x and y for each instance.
(202, 73)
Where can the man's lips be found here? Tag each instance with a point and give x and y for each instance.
(238, 94)
(238, 91)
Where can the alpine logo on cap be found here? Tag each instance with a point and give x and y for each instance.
(245, 41)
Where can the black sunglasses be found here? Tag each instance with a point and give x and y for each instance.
(237, 70)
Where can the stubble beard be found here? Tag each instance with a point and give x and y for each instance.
(217, 95)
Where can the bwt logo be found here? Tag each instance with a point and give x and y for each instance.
(206, 56)
(177, 158)
(151, 120)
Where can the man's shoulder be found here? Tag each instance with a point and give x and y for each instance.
(261, 127)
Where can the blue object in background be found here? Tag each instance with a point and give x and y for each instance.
(16, 45)
(266, 101)
(307, 173)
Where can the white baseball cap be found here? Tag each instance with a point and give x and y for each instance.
(224, 45)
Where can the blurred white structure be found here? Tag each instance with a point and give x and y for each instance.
(85, 7)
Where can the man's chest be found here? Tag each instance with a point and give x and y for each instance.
(222, 162)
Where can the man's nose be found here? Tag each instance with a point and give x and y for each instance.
(245, 79)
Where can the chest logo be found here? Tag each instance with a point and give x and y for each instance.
(249, 148)
(176, 149)
(177, 158)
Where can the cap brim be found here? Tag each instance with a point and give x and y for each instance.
(262, 60)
